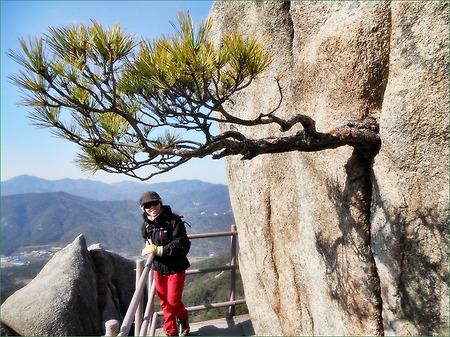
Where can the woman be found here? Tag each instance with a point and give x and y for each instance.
(166, 238)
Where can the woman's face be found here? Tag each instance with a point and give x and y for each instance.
(152, 208)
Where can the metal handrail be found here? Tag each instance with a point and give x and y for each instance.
(128, 320)
(142, 275)
(148, 311)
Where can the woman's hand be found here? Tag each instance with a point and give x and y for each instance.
(151, 248)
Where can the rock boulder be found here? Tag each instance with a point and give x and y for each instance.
(75, 293)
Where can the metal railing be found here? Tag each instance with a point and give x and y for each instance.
(143, 326)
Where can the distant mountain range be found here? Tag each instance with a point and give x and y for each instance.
(36, 211)
(125, 190)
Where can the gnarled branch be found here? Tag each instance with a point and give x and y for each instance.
(121, 99)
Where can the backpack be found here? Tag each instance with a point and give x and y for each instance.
(171, 224)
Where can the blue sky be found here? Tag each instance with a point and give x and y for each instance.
(26, 149)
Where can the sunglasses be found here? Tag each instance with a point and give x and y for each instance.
(151, 204)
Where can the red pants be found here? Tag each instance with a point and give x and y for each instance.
(170, 289)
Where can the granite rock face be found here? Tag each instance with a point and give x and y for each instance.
(75, 293)
(338, 242)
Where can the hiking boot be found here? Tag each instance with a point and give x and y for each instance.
(185, 328)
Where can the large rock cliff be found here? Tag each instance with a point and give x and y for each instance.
(338, 242)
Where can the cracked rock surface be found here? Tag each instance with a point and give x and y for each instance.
(340, 242)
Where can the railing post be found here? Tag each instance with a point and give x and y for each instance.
(140, 309)
(112, 327)
(148, 310)
(151, 297)
(232, 308)
(128, 319)
(153, 325)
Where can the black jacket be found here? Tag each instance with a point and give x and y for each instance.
(168, 230)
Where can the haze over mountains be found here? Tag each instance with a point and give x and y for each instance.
(37, 212)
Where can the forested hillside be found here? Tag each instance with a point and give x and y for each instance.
(212, 288)
(57, 218)
(38, 212)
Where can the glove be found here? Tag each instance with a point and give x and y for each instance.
(151, 248)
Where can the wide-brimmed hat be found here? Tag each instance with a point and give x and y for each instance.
(149, 196)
